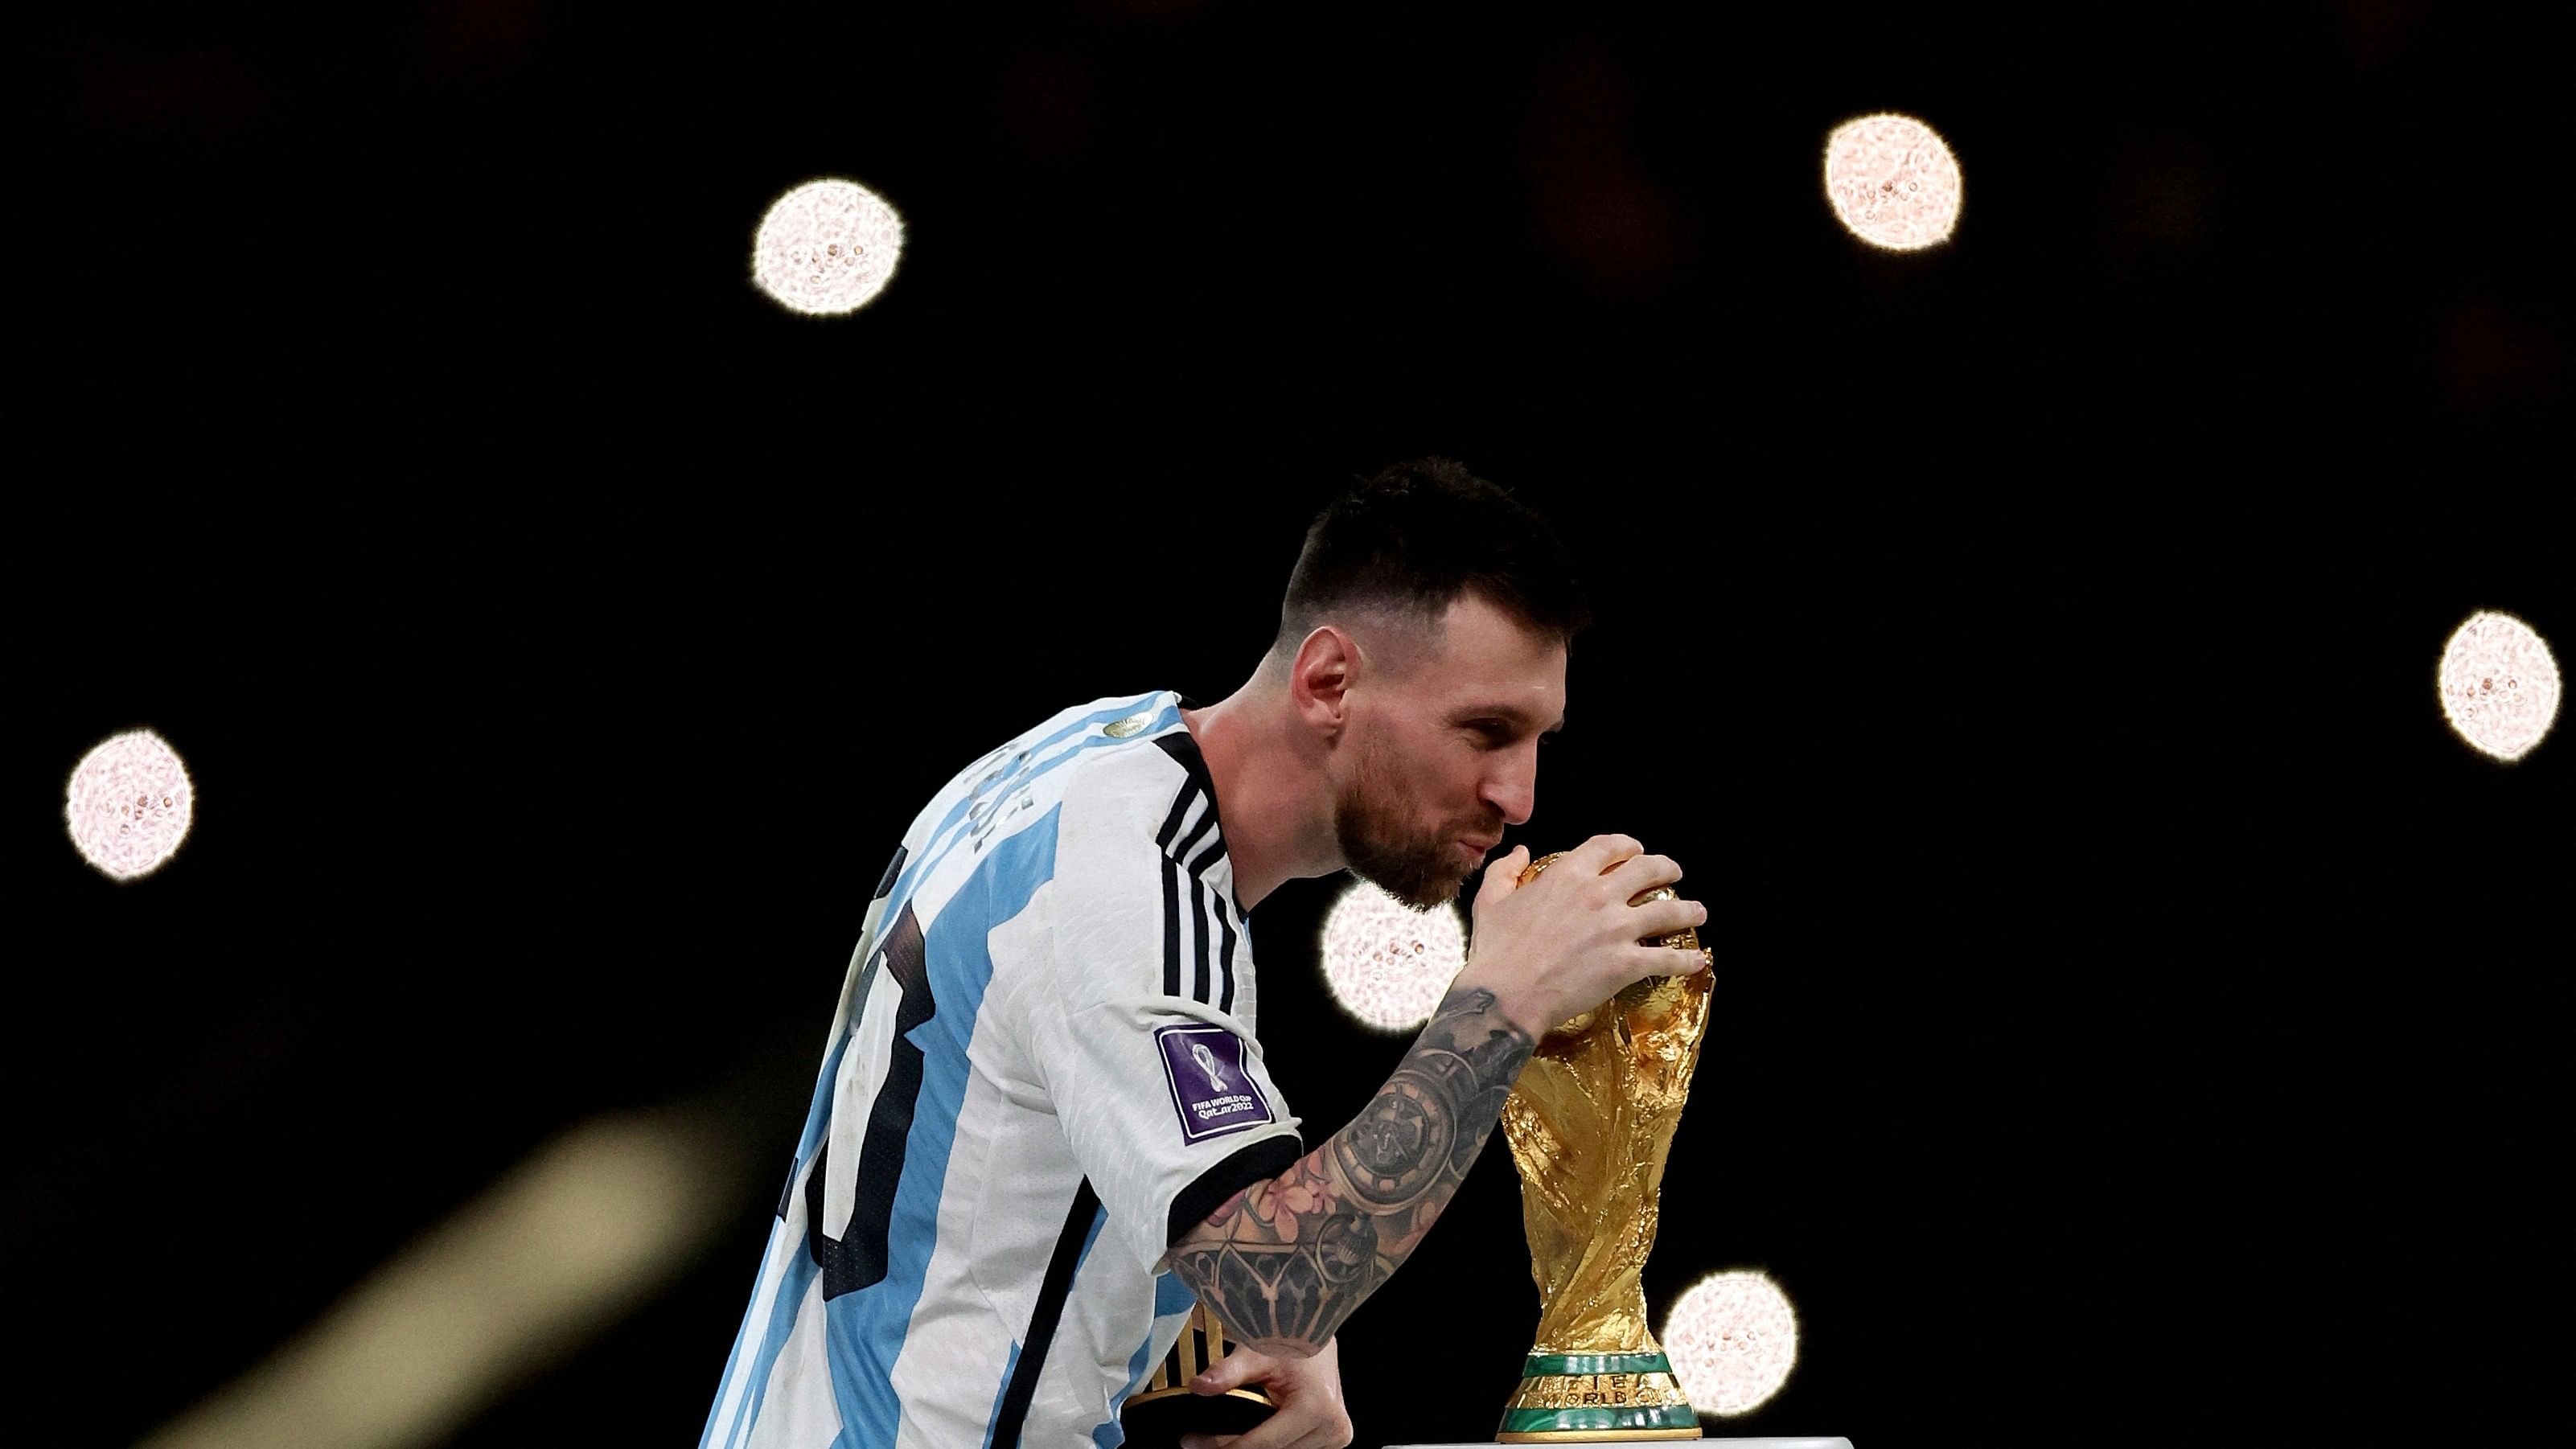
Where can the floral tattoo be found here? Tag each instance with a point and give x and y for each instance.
(1286, 1260)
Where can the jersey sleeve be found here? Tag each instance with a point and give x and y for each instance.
(1164, 1097)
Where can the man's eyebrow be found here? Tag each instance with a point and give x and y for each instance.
(1511, 712)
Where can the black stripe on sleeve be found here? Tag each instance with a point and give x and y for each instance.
(1052, 1291)
(1225, 958)
(1171, 928)
(1199, 941)
(1172, 822)
(1266, 1158)
(1180, 849)
(1185, 752)
(1172, 887)
(1207, 857)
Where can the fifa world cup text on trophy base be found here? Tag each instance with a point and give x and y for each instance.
(1589, 1124)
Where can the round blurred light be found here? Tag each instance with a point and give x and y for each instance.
(1732, 1341)
(826, 247)
(1893, 181)
(128, 804)
(1386, 963)
(2498, 684)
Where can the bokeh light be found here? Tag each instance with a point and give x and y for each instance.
(1387, 964)
(2498, 684)
(1732, 1340)
(1892, 181)
(826, 247)
(128, 804)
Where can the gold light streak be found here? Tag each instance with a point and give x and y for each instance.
(568, 1242)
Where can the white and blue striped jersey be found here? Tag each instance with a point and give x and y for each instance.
(1042, 1071)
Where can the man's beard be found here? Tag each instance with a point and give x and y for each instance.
(1368, 822)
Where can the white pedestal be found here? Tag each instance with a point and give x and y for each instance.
(1668, 1444)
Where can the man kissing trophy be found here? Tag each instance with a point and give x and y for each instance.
(1590, 1122)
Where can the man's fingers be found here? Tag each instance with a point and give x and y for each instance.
(1229, 1372)
(1639, 874)
(1503, 876)
(1600, 853)
(1664, 918)
(1209, 1441)
(1665, 961)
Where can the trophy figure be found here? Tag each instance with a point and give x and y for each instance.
(1157, 1415)
(1589, 1124)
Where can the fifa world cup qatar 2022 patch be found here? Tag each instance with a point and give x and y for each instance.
(1210, 1088)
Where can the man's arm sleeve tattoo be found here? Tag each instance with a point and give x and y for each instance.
(1284, 1261)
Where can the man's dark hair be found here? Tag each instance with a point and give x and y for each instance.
(1412, 539)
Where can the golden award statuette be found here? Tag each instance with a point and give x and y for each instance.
(1589, 1123)
(1157, 1415)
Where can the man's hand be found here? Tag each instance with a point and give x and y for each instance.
(1308, 1392)
(1569, 940)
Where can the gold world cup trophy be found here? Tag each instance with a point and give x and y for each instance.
(1590, 1123)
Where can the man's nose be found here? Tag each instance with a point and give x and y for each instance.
(1514, 793)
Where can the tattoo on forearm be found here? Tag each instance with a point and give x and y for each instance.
(1285, 1261)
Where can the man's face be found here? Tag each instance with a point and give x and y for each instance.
(1444, 752)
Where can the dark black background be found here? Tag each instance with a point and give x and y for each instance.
(2137, 1014)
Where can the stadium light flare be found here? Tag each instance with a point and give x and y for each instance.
(128, 804)
(1732, 1340)
(1892, 180)
(826, 247)
(569, 1241)
(1386, 963)
(2498, 684)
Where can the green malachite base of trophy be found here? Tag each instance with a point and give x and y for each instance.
(1568, 1398)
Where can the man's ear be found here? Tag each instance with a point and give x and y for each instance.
(1319, 679)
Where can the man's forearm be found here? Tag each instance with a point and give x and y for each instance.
(1285, 1261)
